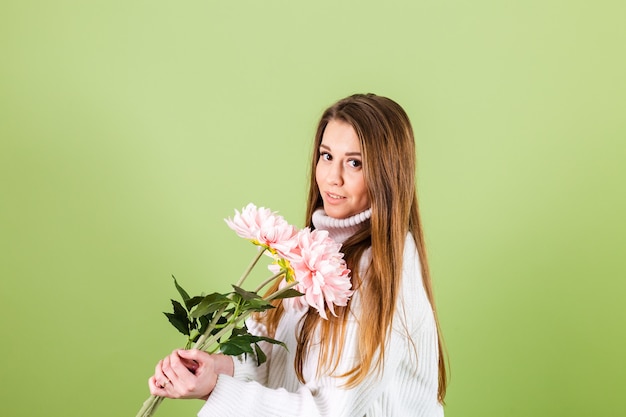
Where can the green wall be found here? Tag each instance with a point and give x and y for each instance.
(130, 129)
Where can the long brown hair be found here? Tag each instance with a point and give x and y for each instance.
(388, 152)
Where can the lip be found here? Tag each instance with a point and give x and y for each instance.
(333, 198)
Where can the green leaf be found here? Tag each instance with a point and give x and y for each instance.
(250, 301)
(204, 323)
(180, 324)
(290, 293)
(257, 304)
(179, 318)
(179, 310)
(242, 342)
(193, 301)
(246, 295)
(241, 331)
(269, 340)
(244, 336)
(260, 355)
(236, 346)
(180, 289)
(209, 304)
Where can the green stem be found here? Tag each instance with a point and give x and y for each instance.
(150, 406)
(251, 266)
(202, 342)
(229, 327)
(209, 328)
(270, 279)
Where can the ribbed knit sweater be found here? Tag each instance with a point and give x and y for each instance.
(406, 385)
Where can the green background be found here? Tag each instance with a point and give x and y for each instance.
(130, 129)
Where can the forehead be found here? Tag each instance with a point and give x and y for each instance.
(340, 135)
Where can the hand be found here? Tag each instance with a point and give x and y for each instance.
(188, 374)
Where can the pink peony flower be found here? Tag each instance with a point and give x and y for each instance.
(312, 256)
(320, 270)
(264, 228)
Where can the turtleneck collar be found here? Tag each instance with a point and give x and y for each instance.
(340, 229)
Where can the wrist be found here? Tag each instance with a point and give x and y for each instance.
(224, 364)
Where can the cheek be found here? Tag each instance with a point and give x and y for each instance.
(361, 190)
(319, 174)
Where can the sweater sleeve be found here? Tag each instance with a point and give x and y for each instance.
(324, 396)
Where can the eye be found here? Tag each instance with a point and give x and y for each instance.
(325, 156)
(355, 163)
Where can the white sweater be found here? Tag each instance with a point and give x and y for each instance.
(407, 385)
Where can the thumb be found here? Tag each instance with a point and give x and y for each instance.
(193, 354)
(193, 359)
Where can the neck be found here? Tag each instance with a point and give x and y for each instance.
(340, 229)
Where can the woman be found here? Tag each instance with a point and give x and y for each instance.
(381, 355)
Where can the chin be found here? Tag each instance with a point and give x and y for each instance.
(337, 213)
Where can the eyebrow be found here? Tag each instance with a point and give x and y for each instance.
(347, 153)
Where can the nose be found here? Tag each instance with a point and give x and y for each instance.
(334, 175)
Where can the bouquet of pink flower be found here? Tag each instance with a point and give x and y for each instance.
(308, 263)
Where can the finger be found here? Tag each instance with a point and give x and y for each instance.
(165, 383)
(195, 359)
(180, 366)
(157, 369)
(169, 373)
(165, 375)
(155, 387)
(159, 376)
(192, 354)
(190, 364)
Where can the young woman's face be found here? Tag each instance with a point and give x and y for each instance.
(339, 172)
